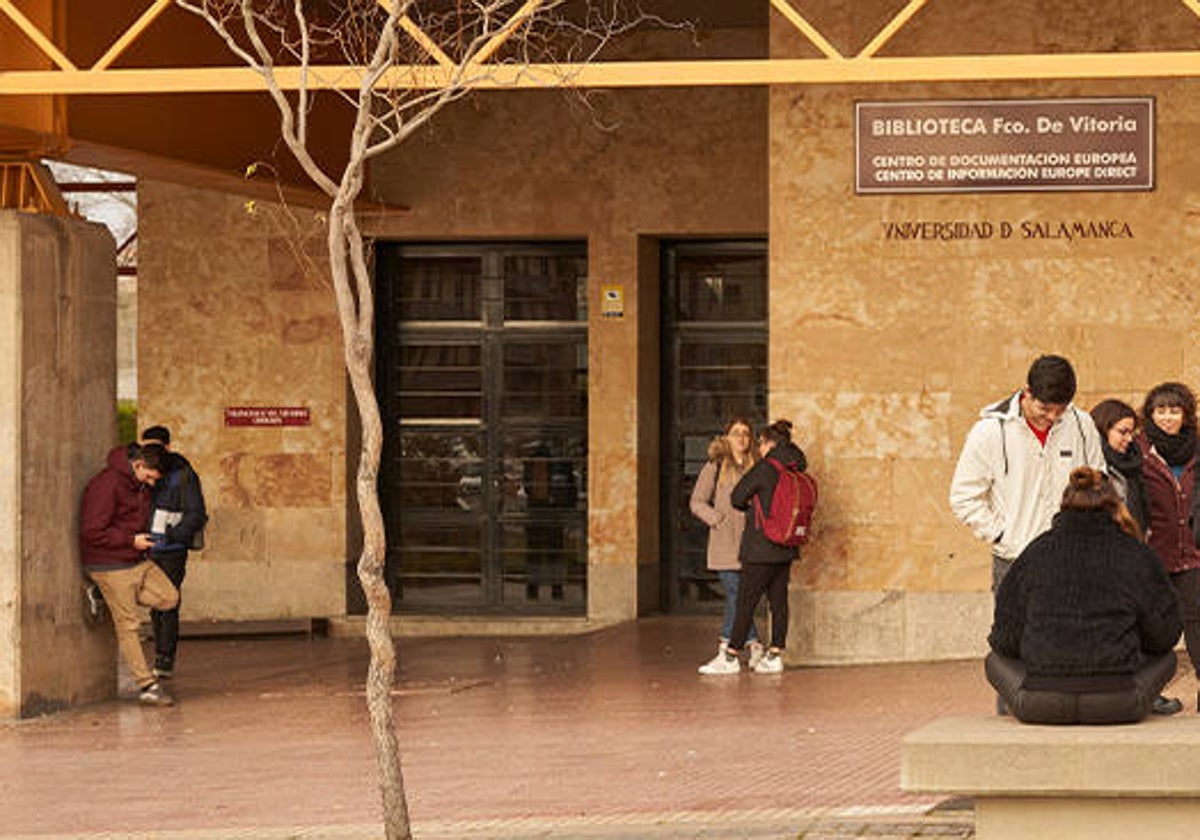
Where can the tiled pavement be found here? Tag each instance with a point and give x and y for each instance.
(606, 736)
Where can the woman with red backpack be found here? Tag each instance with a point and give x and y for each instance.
(766, 564)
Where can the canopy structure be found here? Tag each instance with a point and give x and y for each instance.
(94, 83)
(104, 75)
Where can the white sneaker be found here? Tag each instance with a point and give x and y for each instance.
(153, 695)
(755, 651)
(772, 663)
(721, 664)
(721, 648)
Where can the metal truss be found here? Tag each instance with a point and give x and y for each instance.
(28, 186)
(67, 78)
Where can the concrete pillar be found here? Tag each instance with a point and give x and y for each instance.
(57, 421)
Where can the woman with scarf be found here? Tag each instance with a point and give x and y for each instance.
(1167, 442)
(1117, 423)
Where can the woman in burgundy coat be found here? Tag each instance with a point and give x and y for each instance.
(1168, 445)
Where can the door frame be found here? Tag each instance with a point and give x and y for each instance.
(490, 333)
(671, 337)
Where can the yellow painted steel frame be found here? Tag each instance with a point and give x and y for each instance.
(28, 186)
(833, 68)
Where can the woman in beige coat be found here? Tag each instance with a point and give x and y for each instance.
(729, 458)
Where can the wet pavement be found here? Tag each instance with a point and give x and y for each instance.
(609, 735)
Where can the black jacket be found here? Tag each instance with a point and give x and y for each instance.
(1083, 606)
(179, 492)
(760, 483)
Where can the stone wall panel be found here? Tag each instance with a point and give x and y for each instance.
(236, 311)
(887, 349)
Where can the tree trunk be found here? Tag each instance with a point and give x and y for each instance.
(346, 254)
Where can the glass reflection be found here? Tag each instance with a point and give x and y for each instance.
(441, 289)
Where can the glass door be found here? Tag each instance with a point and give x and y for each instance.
(483, 385)
(714, 353)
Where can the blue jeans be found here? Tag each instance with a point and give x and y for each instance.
(729, 582)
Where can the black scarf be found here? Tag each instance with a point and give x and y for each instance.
(1175, 449)
(1129, 465)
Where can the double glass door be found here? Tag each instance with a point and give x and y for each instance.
(482, 381)
(714, 350)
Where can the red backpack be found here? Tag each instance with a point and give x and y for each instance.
(792, 506)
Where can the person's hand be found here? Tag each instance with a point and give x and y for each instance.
(142, 542)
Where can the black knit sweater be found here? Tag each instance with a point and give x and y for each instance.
(1083, 605)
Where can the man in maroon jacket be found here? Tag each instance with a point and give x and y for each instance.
(114, 538)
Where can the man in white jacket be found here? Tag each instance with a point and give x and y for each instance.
(1018, 458)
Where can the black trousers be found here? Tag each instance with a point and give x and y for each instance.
(758, 579)
(1187, 592)
(1007, 676)
(166, 622)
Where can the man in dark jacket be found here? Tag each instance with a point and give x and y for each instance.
(177, 525)
(114, 538)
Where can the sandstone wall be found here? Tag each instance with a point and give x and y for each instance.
(234, 310)
(897, 345)
(882, 351)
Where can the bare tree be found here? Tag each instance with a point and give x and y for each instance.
(449, 47)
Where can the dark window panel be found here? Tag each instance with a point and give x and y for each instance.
(545, 288)
(722, 288)
(441, 289)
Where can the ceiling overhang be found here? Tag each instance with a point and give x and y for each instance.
(60, 75)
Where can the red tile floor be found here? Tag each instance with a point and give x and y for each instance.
(610, 734)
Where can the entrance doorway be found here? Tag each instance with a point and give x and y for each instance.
(714, 352)
(482, 379)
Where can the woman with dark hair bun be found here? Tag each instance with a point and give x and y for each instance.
(1086, 620)
(1167, 442)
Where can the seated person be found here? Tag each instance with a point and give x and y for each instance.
(1086, 620)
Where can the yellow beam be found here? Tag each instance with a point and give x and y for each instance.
(504, 33)
(131, 34)
(419, 36)
(1194, 5)
(807, 29)
(28, 186)
(625, 74)
(885, 34)
(425, 42)
(34, 34)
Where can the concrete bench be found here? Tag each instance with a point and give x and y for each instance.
(1063, 782)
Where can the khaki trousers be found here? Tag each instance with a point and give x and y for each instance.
(125, 590)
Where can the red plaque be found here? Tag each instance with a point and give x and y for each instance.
(267, 415)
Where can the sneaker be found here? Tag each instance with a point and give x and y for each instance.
(153, 695)
(164, 669)
(722, 647)
(723, 664)
(772, 663)
(96, 608)
(755, 651)
(1166, 706)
